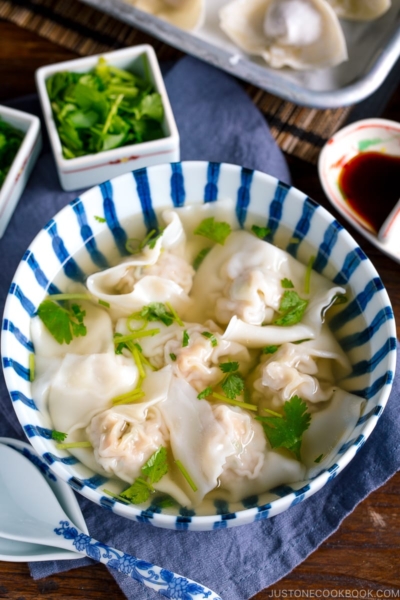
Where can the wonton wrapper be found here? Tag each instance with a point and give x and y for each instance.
(186, 14)
(138, 280)
(360, 10)
(302, 34)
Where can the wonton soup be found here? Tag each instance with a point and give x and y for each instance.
(200, 366)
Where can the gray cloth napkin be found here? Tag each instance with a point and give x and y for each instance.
(217, 122)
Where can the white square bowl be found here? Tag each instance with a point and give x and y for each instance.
(93, 169)
(22, 165)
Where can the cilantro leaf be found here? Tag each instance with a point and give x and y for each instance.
(286, 283)
(157, 466)
(157, 311)
(286, 431)
(200, 257)
(261, 232)
(270, 349)
(319, 458)
(63, 324)
(185, 339)
(229, 367)
(211, 337)
(58, 436)
(292, 309)
(233, 385)
(137, 493)
(206, 392)
(217, 231)
(172, 356)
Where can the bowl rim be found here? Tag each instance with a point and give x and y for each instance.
(82, 64)
(245, 515)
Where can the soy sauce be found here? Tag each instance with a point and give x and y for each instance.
(370, 183)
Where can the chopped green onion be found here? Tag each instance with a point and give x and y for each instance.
(185, 339)
(211, 337)
(172, 356)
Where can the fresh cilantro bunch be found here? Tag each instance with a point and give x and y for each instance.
(286, 431)
(103, 109)
(63, 323)
(10, 142)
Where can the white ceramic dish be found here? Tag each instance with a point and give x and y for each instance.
(369, 135)
(23, 163)
(85, 171)
(374, 48)
(13, 551)
(365, 324)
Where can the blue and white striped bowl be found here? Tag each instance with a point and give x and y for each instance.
(74, 244)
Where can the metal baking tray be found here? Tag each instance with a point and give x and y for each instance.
(373, 49)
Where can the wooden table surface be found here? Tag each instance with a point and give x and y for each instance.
(362, 559)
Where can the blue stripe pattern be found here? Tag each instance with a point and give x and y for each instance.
(178, 193)
(26, 304)
(143, 190)
(87, 234)
(37, 430)
(276, 207)
(22, 339)
(17, 396)
(367, 366)
(51, 458)
(375, 412)
(370, 391)
(111, 218)
(18, 368)
(41, 278)
(69, 265)
(356, 306)
(243, 195)
(303, 226)
(351, 263)
(324, 251)
(211, 188)
(358, 339)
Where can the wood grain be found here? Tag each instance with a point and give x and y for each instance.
(363, 557)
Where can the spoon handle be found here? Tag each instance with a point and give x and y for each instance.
(160, 580)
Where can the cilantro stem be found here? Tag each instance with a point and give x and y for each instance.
(31, 367)
(174, 314)
(186, 475)
(73, 445)
(272, 412)
(113, 110)
(128, 398)
(138, 333)
(235, 402)
(116, 496)
(139, 364)
(307, 278)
